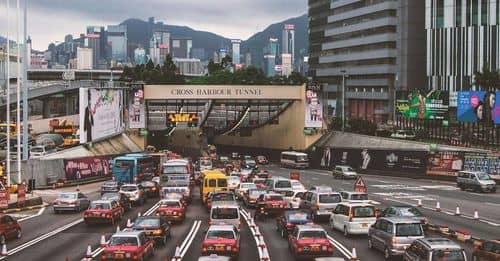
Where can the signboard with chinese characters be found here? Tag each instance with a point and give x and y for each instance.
(314, 106)
(137, 118)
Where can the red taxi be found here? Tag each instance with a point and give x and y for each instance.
(221, 240)
(9, 228)
(271, 203)
(260, 183)
(175, 196)
(103, 211)
(309, 241)
(172, 210)
(128, 245)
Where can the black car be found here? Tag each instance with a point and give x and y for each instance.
(118, 197)
(287, 222)
(404, 211)
(151, 188)
(110, 187)
(155, 228)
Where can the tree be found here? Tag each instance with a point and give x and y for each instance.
(487, 79)
(150, 65)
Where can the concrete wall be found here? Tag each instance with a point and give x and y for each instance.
(288, 133)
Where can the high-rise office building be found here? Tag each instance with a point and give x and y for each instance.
(139, 56)
(189, 66)
(159, 46)
(248, 59)
(84, 58)
(288, 40)
(198, 53)
(235, 47)
(463, 36)
(379, 46)
(222, 53)
(181, 47)
(117, 42)
(286, 64)
(269, 65)
(93, 41)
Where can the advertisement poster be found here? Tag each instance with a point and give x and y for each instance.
(314, 107)
(478, 106)
(83, 168)
(412, 162)
(488, 163)
(445, 163)
(137, 118)
(432, 105)
(21, 194)
(332, 108)
(100, 114)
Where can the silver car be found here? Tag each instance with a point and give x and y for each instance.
(475, 180)
(429, 249)
(344, 172)
(70, 201)
(394, 235)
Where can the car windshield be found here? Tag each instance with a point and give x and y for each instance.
(173, 196)
(147, 222)
(348, 169)
(182, 169)
(274, 198)
(359, 197)
(148, 184)
(483, 176)
(298, 217)
(221, 182)
(110, 196)
(312, 234)
(67, 196)
(301, 158)
(409, 230)
(110, 184)
(224, 213)
(124, 164)
(364, 212)
(233, 179)
(248, 185)
(448, 255)
(223, 197)
(250, 162)
(256, 192)
(37, 149)
(170, 204)
(128, 188)
(100, 205)
(283, 184)
(215, 234)
(123, 241)
(329, 198)
(410, 212)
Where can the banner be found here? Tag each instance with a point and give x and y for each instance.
(83, 168)
(4, 199)
(100, 114)
(314, 107)
(21, 194)
(418, 105)
(445, 163)
(494, 99)
(137, 118)
(478, 106)
(488, 163)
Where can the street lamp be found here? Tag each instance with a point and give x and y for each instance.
(344, 75)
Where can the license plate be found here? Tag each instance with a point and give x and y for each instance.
(219, 248)
(364, 225)
(169, 212)
(119, 256)
(315, 248)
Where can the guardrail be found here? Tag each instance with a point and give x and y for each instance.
(257, 236)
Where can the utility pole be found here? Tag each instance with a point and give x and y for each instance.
(7, 158)
(344, 75)
(18, 91)
(25, 84)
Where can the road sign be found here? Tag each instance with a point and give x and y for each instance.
(359, 185)
(4, 199)
(21, 194)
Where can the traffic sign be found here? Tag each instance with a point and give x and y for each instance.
(359, 185)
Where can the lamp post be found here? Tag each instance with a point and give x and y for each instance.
(7, 158)
(344, 75)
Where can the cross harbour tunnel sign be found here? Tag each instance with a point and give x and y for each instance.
(214, 92)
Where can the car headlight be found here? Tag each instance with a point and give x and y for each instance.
(128, 255)
(324, 248)
(228, 248)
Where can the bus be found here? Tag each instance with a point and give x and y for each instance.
(134, 168)
(176, 176)
(294, 159)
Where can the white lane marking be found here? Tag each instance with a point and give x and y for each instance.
(99, 250)
(340, 247)
(492, 204)
(32, 216)
(190, 238)
(41, 238)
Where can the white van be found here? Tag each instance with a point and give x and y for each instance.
(353, 218)
(225, 213)
(294, 159)
(41, 150)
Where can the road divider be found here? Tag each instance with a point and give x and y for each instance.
(257, 236)
(343, 250)
(181, 250)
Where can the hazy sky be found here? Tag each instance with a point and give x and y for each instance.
(51, 20)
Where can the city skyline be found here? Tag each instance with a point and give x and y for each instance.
(73, 16)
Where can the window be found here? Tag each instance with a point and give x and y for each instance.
(225, 213)
(312, 234)
(329, 198)
(123, 241)
(214, 234)
(283, 184)
(409, 230)
(448, 255)
(344, 195)
(364, 212)
(222, 182)
(212, 183)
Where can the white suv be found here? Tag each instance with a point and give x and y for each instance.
(353, 218)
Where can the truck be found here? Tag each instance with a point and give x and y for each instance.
(134, 168)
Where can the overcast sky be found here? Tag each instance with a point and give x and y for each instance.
(51, 20)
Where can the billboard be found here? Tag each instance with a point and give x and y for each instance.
(100, 114)
(432, 105)
(136, 111)
(445, 163)
(314, 107)
(478, 106)
(83, 168)
(489, 163)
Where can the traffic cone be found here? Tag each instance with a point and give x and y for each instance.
(138, 214)
(129, 224)
(117, 228)
(4, 249)
(419, 203)
(89, 251)
(354, 255)
(476, 214)
(438, 207)
(265, 254)
(103, 240)
(457, 211)
(177, 254)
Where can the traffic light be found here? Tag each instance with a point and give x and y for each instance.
(193, 122)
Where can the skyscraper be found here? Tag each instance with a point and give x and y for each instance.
(269, 63)
(235, 47)
(139, 56)
(288, 40)
(93, 41)
(84, 58)
(117, 41)
(159, 45)
(286, 64)
(181, 47)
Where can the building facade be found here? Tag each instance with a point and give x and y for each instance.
(117, 41)
(181, 47)
(286, 64)
(378, 46)
(288, 40)
(159, 46)
(463, 36)
(139, 56)
(189, 66)
(235, 48)
(269, 64)
(84, 58)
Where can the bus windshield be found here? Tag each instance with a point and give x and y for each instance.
(179, 169)
(124, 164)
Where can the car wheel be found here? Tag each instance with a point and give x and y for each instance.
(2, 239)
(346, 232)
(283, 235)
(18, 234)
(387, 254)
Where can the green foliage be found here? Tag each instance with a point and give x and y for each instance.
(151, 74)
(488, 79)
